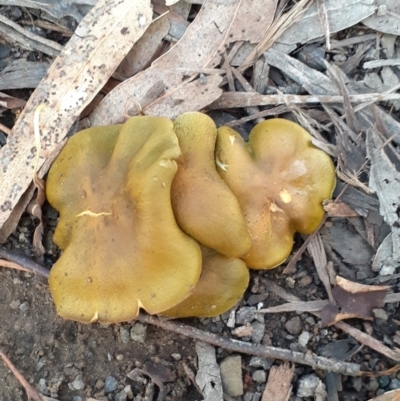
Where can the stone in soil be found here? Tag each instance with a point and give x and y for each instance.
(307, 386)
(231, 375)
(111, 384)
(293, 326)
(138, 332)
(259, 362)
(259, 376)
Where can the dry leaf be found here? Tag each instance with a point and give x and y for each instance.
(386, 19)
(339, 209)
(10, 102)
(87, 61)
(143, 50)
(208, 376)
(384, 262)
(353, 300)
(341, 14)
(384, 179)
(216, 25)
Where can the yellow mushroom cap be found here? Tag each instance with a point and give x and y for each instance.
(280, 180)
(123, 249)
(222, 283)
(203, 204)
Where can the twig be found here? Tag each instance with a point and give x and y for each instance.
(15, 34)
(30, 391)
(5, 129)
(24, 262)
(246, 99)
(381, 63)
(316, 362)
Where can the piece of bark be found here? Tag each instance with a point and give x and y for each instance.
(15, 34)
(208, 376)
(58, 9)
(317, 252)
(21, 74)
(279, 386)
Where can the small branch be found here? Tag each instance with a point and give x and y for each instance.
(316, 362)
(247, 99)
(30, 391)
(24, 262)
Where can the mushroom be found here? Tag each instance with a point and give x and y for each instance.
(123, 249)
(222, 283)
(280, 180)
(203, 204)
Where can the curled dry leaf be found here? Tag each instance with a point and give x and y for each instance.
(216, 25)
(339, 209)
(384, 179)
(90, 57)
(353, 300)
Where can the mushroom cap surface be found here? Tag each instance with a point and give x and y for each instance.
(280, 179)
(123, 249)
(222, 283)
(203, 204)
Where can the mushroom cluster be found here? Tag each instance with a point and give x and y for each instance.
(168, 216)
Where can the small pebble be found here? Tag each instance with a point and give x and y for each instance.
(15, 304)
(259, 362)
(293, 326)
(110, 384)
(176, 356)
(243, 331)
(380, 314)
(290, 282)
(124, 334)
(121, 396)
(231, 375)
(248, 396)
(258, 332)
(383, 381)
(373, 385)
(24, 306)
(304, 337)
(138, 332)
(259, 376)
(307, 386)
(305, 281)
(42, 386)
(78, 384)
(77, 398)
(394, 384)
(119, 357)
(357, 383)
(152, 349)
(245, 315)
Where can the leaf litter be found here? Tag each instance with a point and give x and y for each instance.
(329, 99)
